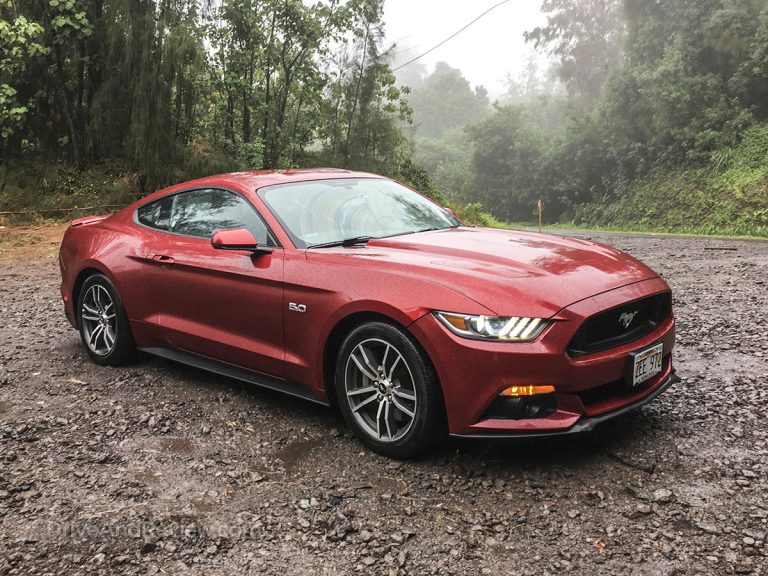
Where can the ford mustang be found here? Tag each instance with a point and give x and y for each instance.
(352, 290)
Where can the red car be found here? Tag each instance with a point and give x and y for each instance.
(352, 290)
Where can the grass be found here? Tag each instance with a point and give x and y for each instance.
(31, 191)
(619, 229)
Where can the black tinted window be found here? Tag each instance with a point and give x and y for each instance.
(156, 214)
(200, 213)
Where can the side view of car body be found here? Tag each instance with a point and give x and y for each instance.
(349, 289)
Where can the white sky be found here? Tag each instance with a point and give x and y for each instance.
(485, 52)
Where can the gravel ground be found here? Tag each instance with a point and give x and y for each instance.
(162, 469)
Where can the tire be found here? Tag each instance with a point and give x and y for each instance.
(103, 324)
(397, 411)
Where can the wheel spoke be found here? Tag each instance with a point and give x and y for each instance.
(378, 419)
(371, 367)
(403, 394)
(394, 364)
(89, 316)
(363, 369)
(89, 309)
(386, 418)
(402, 408)
(109, 338)
(95, 335)
(364, 390)
(384, 360)
(97, 298)
(104, 338)
(365, 402)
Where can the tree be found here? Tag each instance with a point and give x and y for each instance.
(18, 42)
(586, 37)
(445, 100)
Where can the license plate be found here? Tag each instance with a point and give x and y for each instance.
(646, 364)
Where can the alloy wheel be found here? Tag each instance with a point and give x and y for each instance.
(380, 390)
(98, 316)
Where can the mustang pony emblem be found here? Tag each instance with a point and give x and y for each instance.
(626, 318)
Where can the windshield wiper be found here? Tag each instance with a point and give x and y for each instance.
(346, 243)
(430, 229)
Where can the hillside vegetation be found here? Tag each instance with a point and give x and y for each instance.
(650, 115)
(730, 196)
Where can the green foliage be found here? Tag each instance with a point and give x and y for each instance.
(474, 215)
(18, 42)
(509, 163)
(729, 197)
(665, 106)
(170, 88)
(60, 190)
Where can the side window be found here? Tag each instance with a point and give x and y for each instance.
(200, 213)
(156, 214)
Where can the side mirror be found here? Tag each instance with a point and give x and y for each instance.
(238, 239)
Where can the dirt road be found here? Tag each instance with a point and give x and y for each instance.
(158, 468)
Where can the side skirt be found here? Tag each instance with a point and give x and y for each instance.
(230, 371)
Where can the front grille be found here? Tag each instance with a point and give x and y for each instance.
(622, 324)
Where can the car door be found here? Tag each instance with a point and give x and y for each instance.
(225, 305)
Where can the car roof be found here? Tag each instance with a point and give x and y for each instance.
(252, 180)
(255, 179)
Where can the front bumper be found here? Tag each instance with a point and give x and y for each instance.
(586, 423)
(588, 389)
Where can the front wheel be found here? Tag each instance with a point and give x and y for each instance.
(388, 391)
(103, 324)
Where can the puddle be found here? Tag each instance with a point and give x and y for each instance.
(176, 445)
(293, 455)
(5, 406)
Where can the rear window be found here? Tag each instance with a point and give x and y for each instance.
(156, 214)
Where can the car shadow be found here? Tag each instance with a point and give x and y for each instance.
(625, 441)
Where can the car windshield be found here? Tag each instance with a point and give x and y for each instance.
(330, 212)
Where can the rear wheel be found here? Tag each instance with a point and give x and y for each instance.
(104, 327)
(388, 392)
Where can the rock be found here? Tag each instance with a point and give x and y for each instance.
(662, 495)
(708, 528)
(642, 509)
(366, 536)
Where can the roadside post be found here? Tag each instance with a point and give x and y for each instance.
(539, 215)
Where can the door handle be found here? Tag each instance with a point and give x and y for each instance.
(161, 259)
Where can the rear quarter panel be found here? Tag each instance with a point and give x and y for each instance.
(117, 248)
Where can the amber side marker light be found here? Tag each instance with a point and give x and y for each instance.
(516, 391)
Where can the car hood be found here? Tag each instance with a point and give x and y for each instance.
(508, 272)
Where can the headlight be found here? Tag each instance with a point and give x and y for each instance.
(502, 328)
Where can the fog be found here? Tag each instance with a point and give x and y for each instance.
(488, 50)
